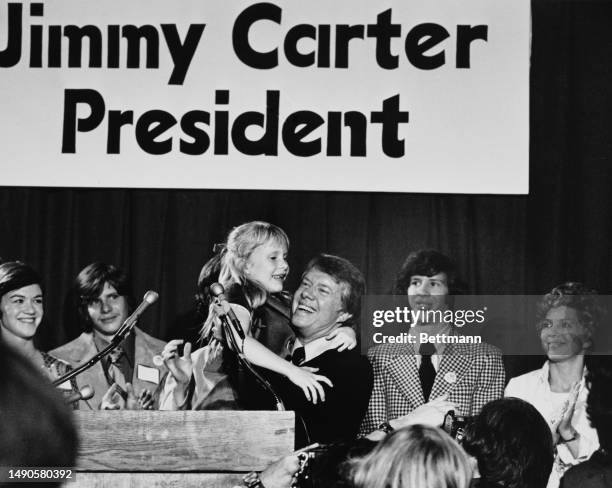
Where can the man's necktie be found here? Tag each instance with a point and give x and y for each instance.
(427, 372)
(114, 370)
(298, 356)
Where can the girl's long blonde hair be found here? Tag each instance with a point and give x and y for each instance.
(231, 260)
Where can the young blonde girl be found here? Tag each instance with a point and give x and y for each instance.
(251, 266)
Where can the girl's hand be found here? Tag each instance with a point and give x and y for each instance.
(181, 367)
(342, 338)
(309, 382)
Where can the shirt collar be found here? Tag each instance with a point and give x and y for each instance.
(128, 344)
(545, 371)
(313, 348)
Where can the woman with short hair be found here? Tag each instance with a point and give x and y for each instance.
(21, 313)
(567, 319)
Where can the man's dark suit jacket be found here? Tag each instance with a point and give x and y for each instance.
(338, 418)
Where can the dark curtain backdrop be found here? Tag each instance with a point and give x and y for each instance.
(503, 244)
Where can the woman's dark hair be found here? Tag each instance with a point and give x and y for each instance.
(209, 274)
(428, 262)
(15, 275)
(599, 401)
(36, 426)
(89, 284)
(512, 443)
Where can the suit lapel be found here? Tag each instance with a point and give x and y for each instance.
(93, 376)
(454, 363)
(143, 357)
(403, 369)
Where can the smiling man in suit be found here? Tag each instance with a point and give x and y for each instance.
(104, 299)
(329, 297)
(433, 377)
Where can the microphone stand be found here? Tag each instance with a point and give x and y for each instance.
(150, 297)
(228, 324)
(121, 334)
(280, 406)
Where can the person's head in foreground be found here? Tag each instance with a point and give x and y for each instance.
(512, 443)
(36, 426)
(414, 457)
(599, 401)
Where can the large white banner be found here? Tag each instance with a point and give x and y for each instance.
(398, 96)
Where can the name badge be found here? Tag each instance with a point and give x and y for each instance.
(146, 373)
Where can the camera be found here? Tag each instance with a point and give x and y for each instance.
(308, 458)
(455, 425)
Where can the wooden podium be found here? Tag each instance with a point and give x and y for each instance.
(211, 449)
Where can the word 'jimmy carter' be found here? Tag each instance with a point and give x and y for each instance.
(299, 131)
(304, 45)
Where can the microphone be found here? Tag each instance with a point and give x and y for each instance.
(229, 319)
(218, 293)
(84, 393)
(149, 298)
